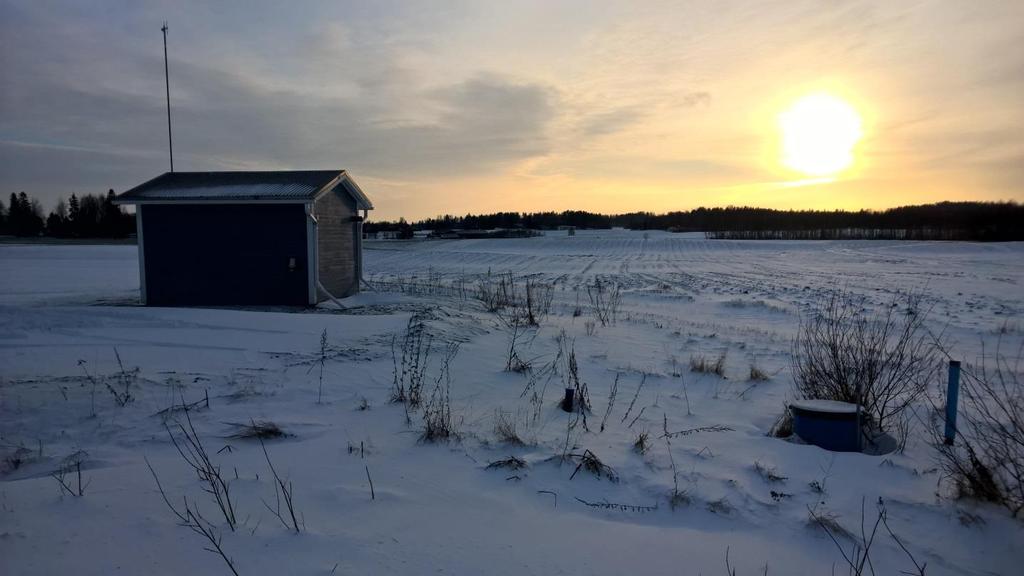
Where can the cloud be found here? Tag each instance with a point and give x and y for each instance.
(67, 170)
(485, 121)
(347, 103)
(484, 100)
(692, 99)
(611, 122)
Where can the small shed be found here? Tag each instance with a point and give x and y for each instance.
(248, 238)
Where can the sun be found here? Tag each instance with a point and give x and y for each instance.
(819, 133)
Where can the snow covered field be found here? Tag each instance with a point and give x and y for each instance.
(438, 508)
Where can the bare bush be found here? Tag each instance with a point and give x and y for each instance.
(496, 293)
(182, 406)
(538, 300)
(528, 302)
(858, 559)
(883, 361)
(636, 395)
(194, 454)
(118, 384)
(986, 460)
(125, 379)
(522, 310)
(677, 497)
(517, 327)
(283, 491)
(321, 360)
(612, 393)
(72, 463)
(410, 369)
(901, 427)
(570, 443)
(432, 284)
(438, 423)
(190, 517)
(605, 299)
(537, 385)
(570, 371)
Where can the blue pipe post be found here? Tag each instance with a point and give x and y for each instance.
(952, 395)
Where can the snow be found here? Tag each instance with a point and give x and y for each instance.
(825, 406)
(436, 506)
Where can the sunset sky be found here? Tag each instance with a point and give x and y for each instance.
(439, 107)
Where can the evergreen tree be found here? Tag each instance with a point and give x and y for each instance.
(3, 218)
(25, 216)
(73, 213)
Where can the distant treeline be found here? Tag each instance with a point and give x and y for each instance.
(983, 221)
(89, 216)
(986, 221)
(534, 220)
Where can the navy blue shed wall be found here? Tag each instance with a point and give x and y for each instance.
(225, 254)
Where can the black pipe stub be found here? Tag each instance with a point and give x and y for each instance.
(567, 402)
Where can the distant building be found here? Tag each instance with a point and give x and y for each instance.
(248, 238)
(383, 235)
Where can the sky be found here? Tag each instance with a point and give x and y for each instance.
(470, 107)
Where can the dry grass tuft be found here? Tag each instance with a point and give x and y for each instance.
(722, 507)
(510, 463)
(704, 365)
(642, 443)
(591, 463)
(262, 429)
(769, 473)
(506, 430)
(828, 521)
(757, 374)
(783, 426)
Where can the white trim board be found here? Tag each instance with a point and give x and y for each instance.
(142, 254)
(312, 254)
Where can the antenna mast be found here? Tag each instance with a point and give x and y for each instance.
(167, 85)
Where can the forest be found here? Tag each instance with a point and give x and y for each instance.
(88, 216)
(980, 221)
(96, 216)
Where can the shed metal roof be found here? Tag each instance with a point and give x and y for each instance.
(264, 186)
